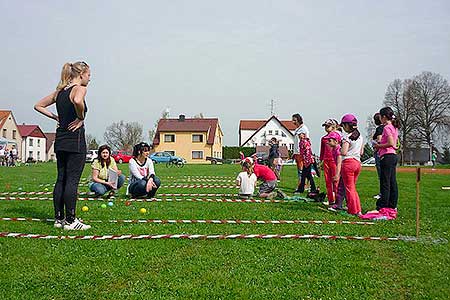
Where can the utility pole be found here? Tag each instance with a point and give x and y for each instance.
(272, 107)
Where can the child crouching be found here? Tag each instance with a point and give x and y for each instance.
(246, 180)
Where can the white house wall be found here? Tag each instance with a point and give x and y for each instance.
(36, 151)
(262, 137)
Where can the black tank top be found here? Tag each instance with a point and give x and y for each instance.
(69, 141)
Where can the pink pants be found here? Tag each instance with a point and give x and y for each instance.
(350, 172)
(329, 170)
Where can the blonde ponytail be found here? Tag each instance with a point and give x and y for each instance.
(69, 72)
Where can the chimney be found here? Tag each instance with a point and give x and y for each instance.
(181, 118)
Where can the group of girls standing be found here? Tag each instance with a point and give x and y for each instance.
(341, 150)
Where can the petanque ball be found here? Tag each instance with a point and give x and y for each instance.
(110, 203)
(103, 205)
(142, 210)
(85, 208)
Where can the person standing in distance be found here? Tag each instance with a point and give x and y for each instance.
(297, 120)
(70, 143)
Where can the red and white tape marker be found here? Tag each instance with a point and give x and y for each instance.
(203, 237)
(92, 193)
(159, 221)
(223, 200)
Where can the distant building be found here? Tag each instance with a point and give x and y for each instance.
(253, 133)
(33, 144)
(192, 139)
(50, 147)
(9, 132)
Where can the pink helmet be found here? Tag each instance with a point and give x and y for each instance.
(349, 118)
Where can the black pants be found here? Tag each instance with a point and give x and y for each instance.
(388, 182)
(138, 188)
(70, 166)
(306, 174)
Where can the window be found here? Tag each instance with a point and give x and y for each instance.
(291, 146)
(197, 138)
(30, 143)
(197, 154)
(276, 132)
(170, 152)
(284, 145)
(270, 132)
(38, 143)
(283, 134)
(30, 154)
(169, 138)
(4, 133)
(14, 135)
(39, 155)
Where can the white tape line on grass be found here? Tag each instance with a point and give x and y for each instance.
(159, 221)
(179, 186)
(204, 237)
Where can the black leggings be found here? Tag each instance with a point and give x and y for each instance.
(388, 182)
(70, 166)
(306, 174)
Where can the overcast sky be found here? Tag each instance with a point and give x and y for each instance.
(225, 59)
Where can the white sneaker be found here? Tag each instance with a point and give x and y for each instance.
(76, 225)
(59, 223)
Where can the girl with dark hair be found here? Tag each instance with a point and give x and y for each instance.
(100, 168)
(70, 143)
(387, 148)
(349, 162)
(297, 120)
(143, 181)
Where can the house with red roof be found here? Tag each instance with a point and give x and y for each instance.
(50, 148)
(190, 138)
(253, 133)
(34, 143)
(9, 133)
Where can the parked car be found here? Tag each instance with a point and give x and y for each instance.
(91, 155)
(263, 158)
(121, 156)
(164, 157)
(370, 162)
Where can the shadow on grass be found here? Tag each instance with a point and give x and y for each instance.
(28, 212)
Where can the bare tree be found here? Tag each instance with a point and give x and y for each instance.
(91, 142)
(152, 132)
(431, 94)
(123, 135)
(398, 97)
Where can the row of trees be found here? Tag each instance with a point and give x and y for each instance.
(119, 135)
(422, 105)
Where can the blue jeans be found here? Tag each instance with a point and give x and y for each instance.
(100, 189)
(138, 188)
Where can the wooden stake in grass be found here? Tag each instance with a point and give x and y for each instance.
(417, 202)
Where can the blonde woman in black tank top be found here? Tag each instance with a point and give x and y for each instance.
(70, 143)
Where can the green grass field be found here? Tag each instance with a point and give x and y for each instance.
(225, 269)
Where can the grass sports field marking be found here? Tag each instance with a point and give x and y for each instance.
(205, 237)
(159, 221)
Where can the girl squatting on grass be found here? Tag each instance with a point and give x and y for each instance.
(386, 148)
(70, 143)
(143, 181)
(349, 162)
(246, 179)
(100, 168)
